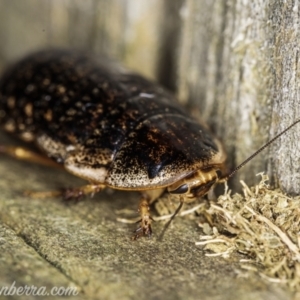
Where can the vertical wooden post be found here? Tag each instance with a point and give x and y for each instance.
(239, 67)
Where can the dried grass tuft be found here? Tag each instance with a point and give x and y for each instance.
(262, 224)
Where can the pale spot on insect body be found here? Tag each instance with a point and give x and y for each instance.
(70, 148)
(104, 85)
(145, 95)
(71, 112)
(11, 102)
(46, 81)
(27, 136)
(95, 91)
(48, 115)
(51, 88)
(72, 138)
(30, 88)
(97, 131)
(28, 109)
(28, 121)
(89, 142)
(78, 104)
(10, 125)
(65, 99)
(61, 89)
(62, 119)
(99, 108)
(86, 98)
(47, 97)
(21, 126)
(152, 138)
(71, 93)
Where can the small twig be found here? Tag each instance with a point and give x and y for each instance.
(214, 241)
(244, 223)
(271, 279)
(247, 191)
(227, 252)
(278, 266)
(127, 221)
(224, 211)
(125, 211)
(207, 237)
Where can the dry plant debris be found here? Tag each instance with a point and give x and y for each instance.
(262, 224)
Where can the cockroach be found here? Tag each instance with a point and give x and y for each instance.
(109, 126)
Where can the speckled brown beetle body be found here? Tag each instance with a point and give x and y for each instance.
(109, 126)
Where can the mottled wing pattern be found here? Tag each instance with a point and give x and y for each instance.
(104, 123)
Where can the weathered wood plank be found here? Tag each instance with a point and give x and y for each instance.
(21, 266)
(284, 40)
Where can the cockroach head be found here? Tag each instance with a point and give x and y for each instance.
(196, 184)
(201, 181)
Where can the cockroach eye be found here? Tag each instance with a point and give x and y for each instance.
(202, 189)
(181, 190)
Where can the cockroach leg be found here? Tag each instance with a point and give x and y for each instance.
(43, 195)
(77, 193)
(148, 197)
(145, 222)
(28, 155)
(69, 193)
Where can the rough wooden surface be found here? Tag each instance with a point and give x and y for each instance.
(285, 82)
(239, 67)
(54, 244)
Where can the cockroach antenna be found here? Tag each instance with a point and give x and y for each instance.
(231, 173)
(225, 177)
(170, 221)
